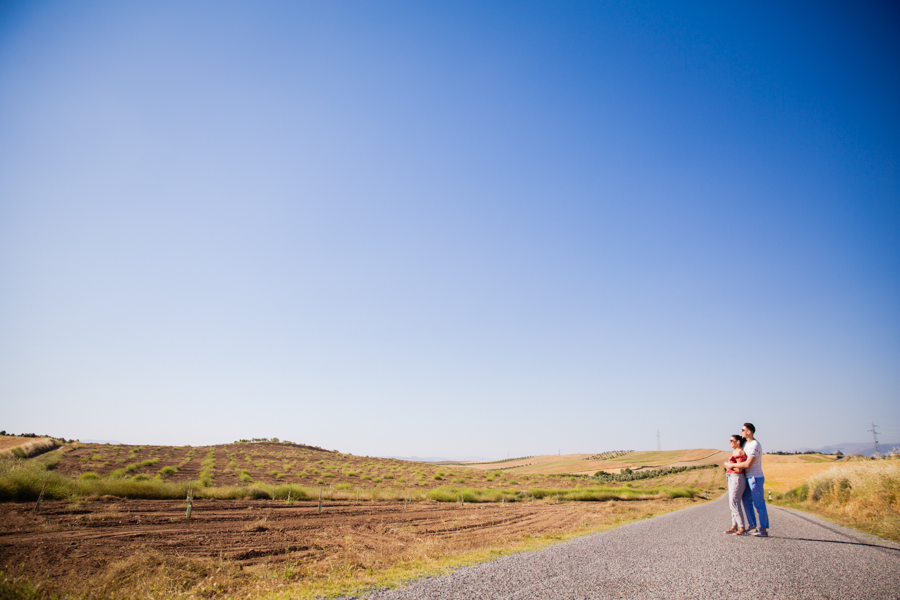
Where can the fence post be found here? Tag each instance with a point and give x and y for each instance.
(40, 498)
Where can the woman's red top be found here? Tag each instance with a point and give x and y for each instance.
(736, 459)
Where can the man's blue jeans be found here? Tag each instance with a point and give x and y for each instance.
(754, 496)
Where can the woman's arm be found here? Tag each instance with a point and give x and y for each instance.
(741, 465)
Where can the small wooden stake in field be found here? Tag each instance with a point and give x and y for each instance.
(40, 498)
(190, 502)
(320, 501)
(357, 497)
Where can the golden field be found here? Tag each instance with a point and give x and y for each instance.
(588, 464)
(787, 472)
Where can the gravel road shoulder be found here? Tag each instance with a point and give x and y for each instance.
(684, 555)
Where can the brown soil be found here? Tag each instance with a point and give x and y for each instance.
(79, 548)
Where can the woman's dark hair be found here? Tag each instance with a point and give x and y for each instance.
(750, 427)
(740, 439)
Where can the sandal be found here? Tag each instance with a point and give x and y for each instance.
(732, 530)
(740, 531)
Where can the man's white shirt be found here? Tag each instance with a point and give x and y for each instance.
(754, 449)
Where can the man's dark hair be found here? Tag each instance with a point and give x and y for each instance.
(750, 427)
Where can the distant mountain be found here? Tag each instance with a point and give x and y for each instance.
(864, 448)
(113, 442)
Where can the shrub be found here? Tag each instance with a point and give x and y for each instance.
(89, 475)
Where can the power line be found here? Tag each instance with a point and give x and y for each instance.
(875, 438)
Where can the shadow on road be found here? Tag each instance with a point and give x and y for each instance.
(781, 537)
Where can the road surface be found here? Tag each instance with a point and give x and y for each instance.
(684, 555)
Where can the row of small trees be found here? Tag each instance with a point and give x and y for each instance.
(629, 475)
(839, 454)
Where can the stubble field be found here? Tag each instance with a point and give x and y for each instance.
(381, 520)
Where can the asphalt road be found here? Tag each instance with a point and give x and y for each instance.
(684, 555)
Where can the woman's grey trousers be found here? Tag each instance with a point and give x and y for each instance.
(737, 482)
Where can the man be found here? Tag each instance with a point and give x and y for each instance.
(754, 496)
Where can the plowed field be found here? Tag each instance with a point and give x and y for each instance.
(129, 547)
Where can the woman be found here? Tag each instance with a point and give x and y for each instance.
(737, 483)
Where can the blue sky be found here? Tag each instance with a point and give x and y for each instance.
(450, 229)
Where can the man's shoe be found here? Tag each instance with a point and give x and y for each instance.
(761, 533)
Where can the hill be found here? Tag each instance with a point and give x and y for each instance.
(277, 463)
(611, 462)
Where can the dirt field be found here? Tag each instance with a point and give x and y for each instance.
(115, 548)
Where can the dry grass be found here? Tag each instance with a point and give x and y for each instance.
(27, 447)
(586, 464)
(784, 476)
(11, 441)
(863, 495)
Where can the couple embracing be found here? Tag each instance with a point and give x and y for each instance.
(745, 484)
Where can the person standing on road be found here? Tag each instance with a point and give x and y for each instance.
(737, 484)
(753, 496)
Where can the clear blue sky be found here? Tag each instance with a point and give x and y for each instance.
(450, 229)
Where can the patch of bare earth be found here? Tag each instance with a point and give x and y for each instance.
(146, 549)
